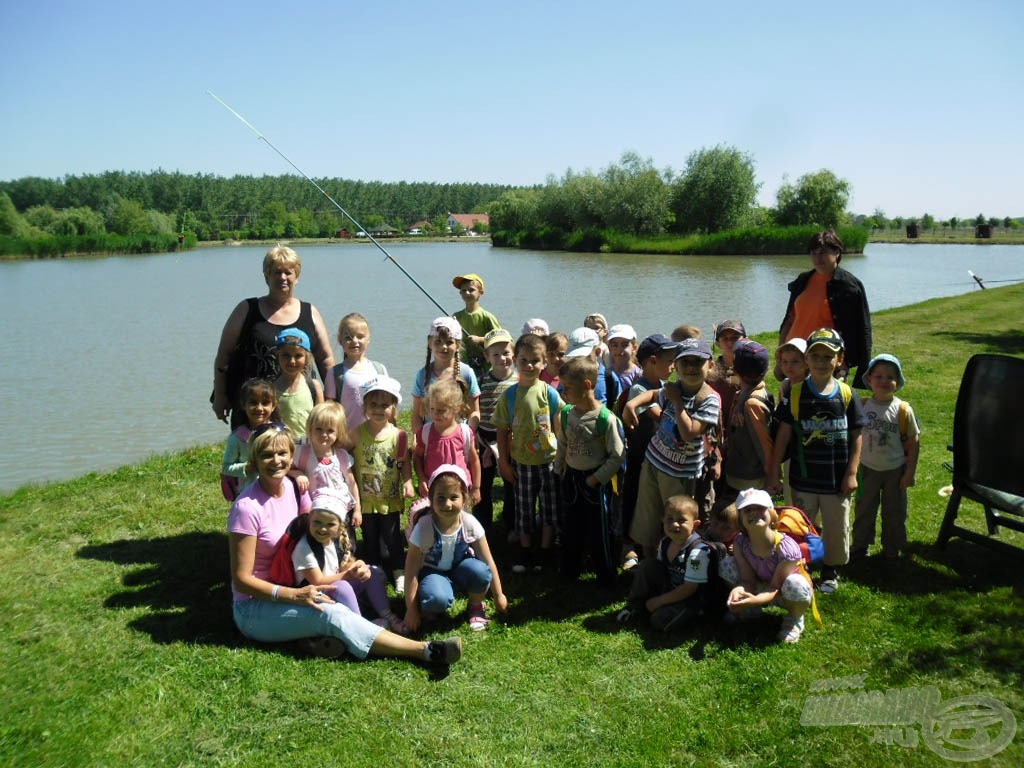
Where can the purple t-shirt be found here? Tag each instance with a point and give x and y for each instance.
(256, 513)
(764, 567)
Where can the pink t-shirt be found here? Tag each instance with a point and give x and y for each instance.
(256, 513)
(446, 449)
(787, 551)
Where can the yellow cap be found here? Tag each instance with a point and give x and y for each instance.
(458, 280)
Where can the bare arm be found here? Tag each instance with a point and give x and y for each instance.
(229, 337)
(324, 357)
(242, 554)
(483, 551)
(413, 563)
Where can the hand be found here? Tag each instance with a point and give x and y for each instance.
(849, 484)
(738, 599)
(357, 518)
(674, 394)
(302, 483)
(629, 417)
(359, 571)
(652, 604)
(474, 496)
(313, 596)
(221, 406)
(424, 492)
(907, 481)
(500, 603)
(407, 490)
(592, 481)
(412, 618)
(508, 473)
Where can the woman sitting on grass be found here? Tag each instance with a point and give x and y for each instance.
(269, 612)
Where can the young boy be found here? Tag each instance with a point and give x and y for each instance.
(656, 355)
(502, 375)
(790, 367)
(823, 420)
(476, 321)
(297, 392)
(589, 454)
(526, 449)
(674, 460)
(749, 438)
(888, 461)
(674, 586)
(585, 342)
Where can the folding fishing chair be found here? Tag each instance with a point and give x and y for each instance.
(988, 448)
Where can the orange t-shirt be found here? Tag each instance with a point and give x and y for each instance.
(810, 309)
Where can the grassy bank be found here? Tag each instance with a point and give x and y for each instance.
(118, 645)
(963, 236)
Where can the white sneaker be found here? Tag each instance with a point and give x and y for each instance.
(400, 584)
(518, 568)
(791, 630)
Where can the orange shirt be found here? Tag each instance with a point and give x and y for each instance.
(810, 309)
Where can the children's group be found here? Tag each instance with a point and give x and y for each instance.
(666, 457)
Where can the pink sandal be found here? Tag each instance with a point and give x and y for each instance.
(478, 617)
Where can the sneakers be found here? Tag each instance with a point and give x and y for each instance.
(478, 616)
(324, 646)
(630, 561)
(792, 628)
(829, 581)
(518, 568)
(444, 652)
(400, 584)
(627, 615)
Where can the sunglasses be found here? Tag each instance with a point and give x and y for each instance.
(277, 426)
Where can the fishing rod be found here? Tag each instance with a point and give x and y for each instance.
(335, 203)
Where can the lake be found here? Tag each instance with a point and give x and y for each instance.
(118, 351)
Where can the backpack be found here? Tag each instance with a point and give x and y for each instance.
(282, 570)
(717, 590)
(510, 400)
(795, 522)
(231, 486)
(769, 401)
(603, 420)
(903, 419)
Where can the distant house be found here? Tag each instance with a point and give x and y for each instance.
(468, 220)
(419, 227)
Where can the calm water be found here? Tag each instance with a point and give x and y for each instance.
(109, 361)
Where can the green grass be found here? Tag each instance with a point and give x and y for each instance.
(118, 646)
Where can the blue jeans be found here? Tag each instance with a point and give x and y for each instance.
(437, 588)
(269, 622)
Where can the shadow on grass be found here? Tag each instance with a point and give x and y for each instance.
(1008, 342)
(181, 580)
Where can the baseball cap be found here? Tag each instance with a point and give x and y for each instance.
(729, 325)
(828, 337)
(383, 384)
(329, 500)
(453, 328)
(497, 336)
(535, 325)
(693, 348)
(653, 344)
(293, 337)
(754, 497)
(582, 342)
(750, 358)
(458, 280)
(891, 360)
(622, 331)
(800, 345)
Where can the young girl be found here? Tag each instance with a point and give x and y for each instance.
(447, 550)
(555, 346)
(767, 567)
(297, 391)
(322, 461)
(446, 439)
(323, 557)
(347, 377)
(622, 348)
(443, 363)
(384, 476)
(259, 398)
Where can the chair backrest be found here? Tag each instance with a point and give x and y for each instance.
(988, 426)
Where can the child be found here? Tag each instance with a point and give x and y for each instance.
(791, 367)
(722, 376)
(622, 349)
(673, 587)
(323, 557)
(297, 392)
(537, 326)
(723, 525)
(888, 461)
(498, 348)
(597, 323)
(656, 354)
(585, 342)
(259, 399)
(383, 473)
(322, 461)
(445, 439)
(767, 567)
(476, 321)
(555, 346)
(355, 369)
(526, 449)
(443, 363)
(448, 550)
(683, 332)
(749, 442)
(589, 454)
(675, 457)
(823, 420)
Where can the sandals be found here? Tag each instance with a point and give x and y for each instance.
(478, 617)
(394, 623)
(630, 561)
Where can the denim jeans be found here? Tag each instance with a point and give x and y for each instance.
(437, 588)
(268, 622)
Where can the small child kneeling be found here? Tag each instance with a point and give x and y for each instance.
(677, 585)
(448, 549)
(767, 567)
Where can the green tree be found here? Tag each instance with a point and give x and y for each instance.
(716, 191)
(877, 220)
(817, 199)
(78, 221)
(11, 222)
(954, 223)
(636, 198)
(515, 211)
(928, 221)
(993, 222)
(980, 219)
(128, 217)
(1007, 222)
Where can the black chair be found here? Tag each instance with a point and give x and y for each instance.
(988, 448)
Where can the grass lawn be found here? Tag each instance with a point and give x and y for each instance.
(118, 646)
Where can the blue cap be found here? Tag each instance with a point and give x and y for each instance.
(293, 337)
(891, 360)
(653, 344)
(693, 348)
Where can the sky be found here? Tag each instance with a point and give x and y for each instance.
(917, 104)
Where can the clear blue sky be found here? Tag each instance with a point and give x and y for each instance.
(917, 104)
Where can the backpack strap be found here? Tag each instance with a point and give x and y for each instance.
(510, 401)
(904, 423)
(467, 441)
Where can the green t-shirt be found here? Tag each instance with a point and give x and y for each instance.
(532, 424)
(478, 323)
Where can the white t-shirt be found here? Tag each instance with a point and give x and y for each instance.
(303, 559)
(423, 537)
(882, 449)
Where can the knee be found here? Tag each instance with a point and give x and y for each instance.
(436, 594)
(796, 589)
(728, 571)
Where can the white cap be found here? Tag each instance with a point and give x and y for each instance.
(383, 384)
(329, 500)
(796, 343)
(754, 497)
(582, 342)
(537, 326)
(622, 331)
